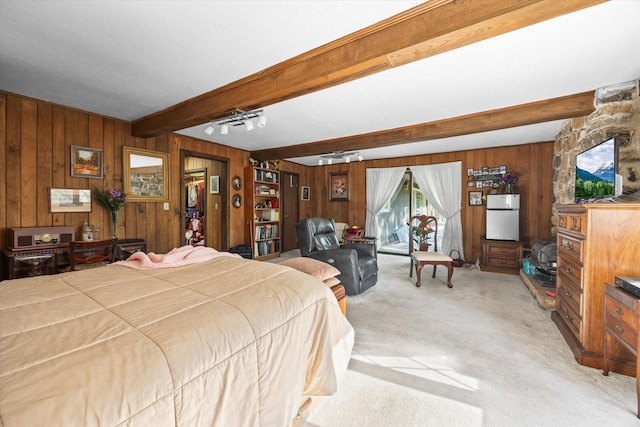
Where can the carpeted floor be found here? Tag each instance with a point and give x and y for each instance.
(480, 354)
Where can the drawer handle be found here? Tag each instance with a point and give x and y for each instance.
(619, 329)
(619, 311)
(568, 293)
(569, 270)
(569, 246)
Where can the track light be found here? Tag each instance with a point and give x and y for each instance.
(340, 155)
(237, 117)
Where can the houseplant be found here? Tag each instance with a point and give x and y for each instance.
(113, 200)
(508, 180)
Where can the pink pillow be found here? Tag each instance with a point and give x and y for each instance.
(313, 267)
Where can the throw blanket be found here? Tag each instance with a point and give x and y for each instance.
(177, 257)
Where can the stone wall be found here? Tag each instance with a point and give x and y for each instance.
(617, 113)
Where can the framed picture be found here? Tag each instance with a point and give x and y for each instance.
(475, 198)
(236, 182)
(305, 193)
(145, 175)
(236, 200)
(86, 162)
(214, 184)
(69, 200)
(338, 186)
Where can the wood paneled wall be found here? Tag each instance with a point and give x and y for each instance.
(533, 163)
(35, 140)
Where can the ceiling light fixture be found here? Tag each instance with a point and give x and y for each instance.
(237, 117)
(339, 155)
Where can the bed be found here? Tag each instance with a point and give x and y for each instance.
(222, 342)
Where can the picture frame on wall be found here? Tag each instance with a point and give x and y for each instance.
(69, 200)
(86, 162)
(305, 193)
(339, 186)
(475, 198)
(214, 184)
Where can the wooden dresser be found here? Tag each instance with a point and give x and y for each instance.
(596, 242)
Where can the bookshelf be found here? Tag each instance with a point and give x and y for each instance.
(262, 212)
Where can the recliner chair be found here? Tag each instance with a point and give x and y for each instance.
(357, 262)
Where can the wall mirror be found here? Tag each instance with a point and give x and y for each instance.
(145, 175)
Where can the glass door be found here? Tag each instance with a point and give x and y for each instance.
(393, 228)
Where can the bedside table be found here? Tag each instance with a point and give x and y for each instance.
(621, 326)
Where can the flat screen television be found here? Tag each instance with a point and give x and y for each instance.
(596, 173)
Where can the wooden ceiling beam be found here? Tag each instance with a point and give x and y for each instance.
(520, 115)
(425, 30)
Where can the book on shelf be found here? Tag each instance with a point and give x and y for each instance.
(267, 247)
(269, 231)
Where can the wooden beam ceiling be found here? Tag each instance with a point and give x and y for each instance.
(520, 115)
(426, 30)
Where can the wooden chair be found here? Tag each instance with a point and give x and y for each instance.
(423, 230)
(98, 252)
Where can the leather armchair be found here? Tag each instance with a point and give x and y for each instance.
(357, 262)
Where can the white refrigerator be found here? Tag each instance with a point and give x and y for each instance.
(503, 217)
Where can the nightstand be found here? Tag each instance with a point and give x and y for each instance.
(621, 326)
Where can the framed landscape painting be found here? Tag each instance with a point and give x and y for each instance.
(86, 162)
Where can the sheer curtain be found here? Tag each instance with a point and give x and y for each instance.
(442, 186)
(381, 183)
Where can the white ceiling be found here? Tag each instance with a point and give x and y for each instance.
(128, 59)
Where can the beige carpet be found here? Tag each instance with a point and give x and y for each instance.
(481, 354)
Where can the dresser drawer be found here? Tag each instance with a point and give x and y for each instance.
(570, 294)
(503, 262)
(626, 332)
(504, 251)
(571, 222)
(571, 246)
(621, 311)
(570, 271)
(569, 315)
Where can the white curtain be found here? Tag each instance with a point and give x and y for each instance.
(442, 186)
(381, 183)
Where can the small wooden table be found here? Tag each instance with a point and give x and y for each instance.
(367, 240)
(621, 325)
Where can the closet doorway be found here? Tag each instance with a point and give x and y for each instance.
(290, 200)
(203, 200)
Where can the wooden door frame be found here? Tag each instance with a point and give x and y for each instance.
(224, 192)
